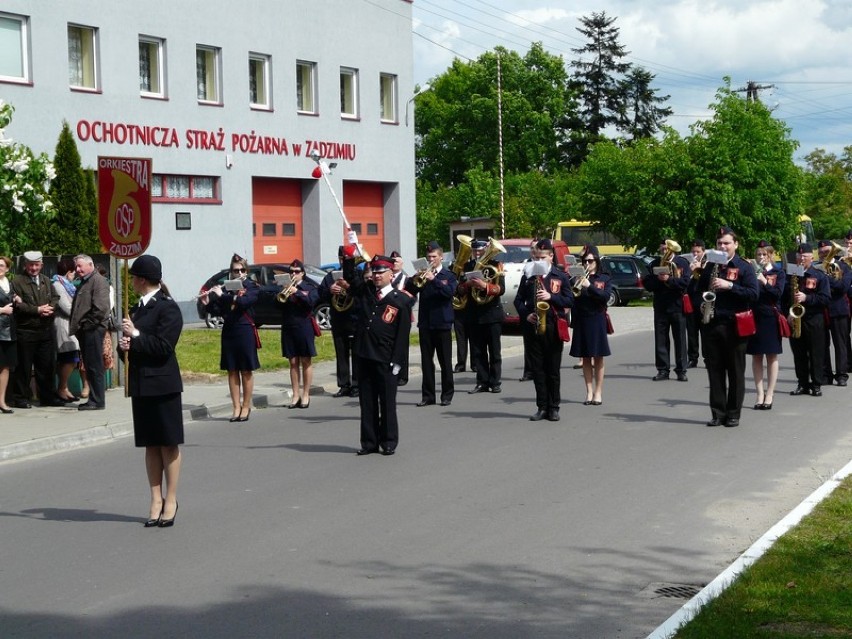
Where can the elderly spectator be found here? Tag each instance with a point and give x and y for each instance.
(68, 349)
(35, 300)
(88, 323)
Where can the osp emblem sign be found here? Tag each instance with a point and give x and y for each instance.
(124, 205)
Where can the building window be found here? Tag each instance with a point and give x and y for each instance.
(288, 229)
(207, 73)
(82, 57)
(387, 97)
(357, 227)
(306, 87)
(259, 75)
(183, 221)
(268, 229)
(198, 189)
(151, 65)
(14, 48)
(348, 92)
(372, 228)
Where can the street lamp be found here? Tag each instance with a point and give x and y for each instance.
(420, 90)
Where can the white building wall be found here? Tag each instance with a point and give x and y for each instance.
(372, 37)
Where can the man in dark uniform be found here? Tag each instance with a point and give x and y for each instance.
(484, 320)
(736, 288)
(554, 288)
(668, 293)
(35, 300)
(848, 241)
(435, 323)
(528, 330)
(343, 322)
(693, 319)
(837, 329)
(381, 342)
(814, 294)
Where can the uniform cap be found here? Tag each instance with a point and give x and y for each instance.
(147, 267)
(544, 245)
(298, 264)
(434, 246)
(478, 244)
(823, 243)
(724, 230)
(805, 247)
(764, 244)
(848, 235)
(395, 254)
(380, 263)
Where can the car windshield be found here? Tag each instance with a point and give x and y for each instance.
(514, 254)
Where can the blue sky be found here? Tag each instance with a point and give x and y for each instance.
(801, 47)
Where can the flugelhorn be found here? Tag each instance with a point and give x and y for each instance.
(489, 272)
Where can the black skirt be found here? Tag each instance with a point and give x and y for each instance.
(239, 349)
(297, 340)
(767, 339)
(8, 354)
(158, 420)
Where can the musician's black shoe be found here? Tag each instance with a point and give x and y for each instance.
(660, 376)
(693, 363)
(715, 422)
(816, 391)
(479, 388)
(539, 416)
(343, 392)
(800, 390)
(681, 377)
(732, 422)
(459, 368)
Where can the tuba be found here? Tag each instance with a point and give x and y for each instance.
(672, 249)
(462, 258)
(489, 272)
(541, 309)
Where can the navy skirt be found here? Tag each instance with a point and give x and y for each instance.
(239, 350)
(767, 339)
(589, 337)
(297, 340)
(157, 420)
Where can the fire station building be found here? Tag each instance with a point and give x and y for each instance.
(230, 101)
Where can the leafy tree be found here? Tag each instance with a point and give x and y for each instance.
(598, 73)
(75, 226)
(24, 179)
(828, 192)
(643, 115)
(457, 118)
(735, 169)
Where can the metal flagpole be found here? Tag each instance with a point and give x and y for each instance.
(500, 141)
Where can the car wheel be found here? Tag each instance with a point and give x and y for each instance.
(613, 300)
(214, 321)
(322, 314)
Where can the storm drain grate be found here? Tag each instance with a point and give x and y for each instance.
(670, 591)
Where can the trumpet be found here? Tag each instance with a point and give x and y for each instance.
(541, 309)
(285, 294)
(420, 279)
(577, 286)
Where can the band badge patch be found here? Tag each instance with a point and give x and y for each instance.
(389, 314)
(810, 283)
(771, 279)
(600, 285)
(732, 274)
(555, 286)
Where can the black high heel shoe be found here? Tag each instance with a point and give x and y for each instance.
(246, 418)
(6, 411)
(305, 405)
(296, 404)
(152, 523)
(168, 523)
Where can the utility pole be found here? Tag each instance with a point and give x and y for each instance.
(751, 88)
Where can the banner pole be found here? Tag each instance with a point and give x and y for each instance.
(126, 304)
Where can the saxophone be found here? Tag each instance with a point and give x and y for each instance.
(541, 308)
(797, 311)
(708, 305)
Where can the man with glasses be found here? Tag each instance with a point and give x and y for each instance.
(668, 289)
(381, 344)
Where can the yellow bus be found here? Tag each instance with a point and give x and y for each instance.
(577, 234)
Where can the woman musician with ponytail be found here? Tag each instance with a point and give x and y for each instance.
(239, 335)
(553, 288)
(589, 321)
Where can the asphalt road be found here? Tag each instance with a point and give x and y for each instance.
(483, 525)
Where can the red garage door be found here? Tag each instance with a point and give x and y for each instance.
(365, 210)
(276, 219)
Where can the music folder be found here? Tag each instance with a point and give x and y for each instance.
(232, 285)
(420, 264)
(795, 269)
(336, 275)
(284, 280)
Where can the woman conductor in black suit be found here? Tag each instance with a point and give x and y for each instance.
(150, 335)
(239, 336)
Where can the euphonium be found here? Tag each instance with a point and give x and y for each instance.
(489, 272)
(541, 309)
(831, 269)
(797, 311)
(672, 249)
(708, 304)
(462, 257)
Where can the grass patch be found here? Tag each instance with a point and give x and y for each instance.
(198, 350)
(801, 587)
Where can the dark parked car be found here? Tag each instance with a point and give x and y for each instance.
(627, 272)
(266, 311)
